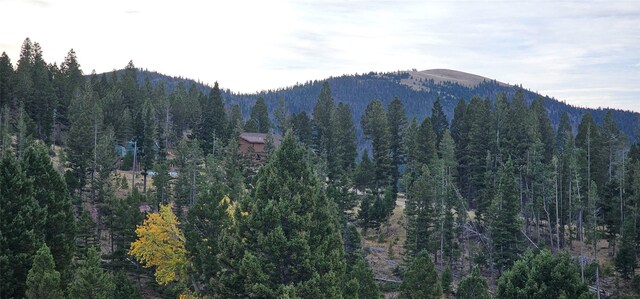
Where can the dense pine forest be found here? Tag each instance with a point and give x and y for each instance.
(129, 185)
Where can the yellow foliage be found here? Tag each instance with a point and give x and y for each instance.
(231, 208)
(188, 296)
(160, 243)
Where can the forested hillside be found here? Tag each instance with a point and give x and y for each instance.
(418, 96)
(133, 184)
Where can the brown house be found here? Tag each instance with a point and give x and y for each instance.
(254, 144)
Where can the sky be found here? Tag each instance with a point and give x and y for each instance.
(586, 53)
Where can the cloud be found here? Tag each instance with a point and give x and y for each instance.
(571, 49)
(40, 3)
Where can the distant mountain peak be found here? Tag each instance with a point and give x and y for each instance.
(443, 75)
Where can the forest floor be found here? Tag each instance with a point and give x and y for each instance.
(384, 248)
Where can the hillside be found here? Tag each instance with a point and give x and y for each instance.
(418, 91)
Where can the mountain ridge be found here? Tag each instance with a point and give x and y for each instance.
(417, 90)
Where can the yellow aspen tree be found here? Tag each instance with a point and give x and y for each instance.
(160, 243)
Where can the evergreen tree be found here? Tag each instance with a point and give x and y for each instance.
(460, 135)
(148, 139)
(426, 143)
(214, 121)
(123, 215)
(21, 222)
(420, 214)
(473, 286)
(346, 148)
(592, 163)
(23, 88)
(375, 128)
(322, 116)
(51, 193)
(124, 287)
(40, 106)
(420, 279)
(410, 144)
(446, 280)
(364, 174)
(283, 119)
(544, 129)
(362, 283)
(91, 281)
(235, 124)
(72, 80)
(5, 138)
(477, 144)
(301, 126)
(517, 131)
(81, 135)
(504, 223)
(564, 131)
(6, 80)
(627, 257)
(43, 281)
(259, 120)
(291, 242)
(205, 223)
(543, 275)
(397, 121)
(438, 121)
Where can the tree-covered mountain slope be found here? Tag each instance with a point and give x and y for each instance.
(417, 90)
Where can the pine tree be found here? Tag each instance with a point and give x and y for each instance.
(361, 282)
(5, 138)
(426, 143)
(397, 121)
(593, 164)
(438, 121)
(446, 280)
(517, 131)
(214, 121)
(479, 137)
(544, 129)
(6, 80)
(504, 223)
(259, 120)
(301, 126)
(21, 224)
(283, 119)
(543, 275)
(71, 81)
(322, 116)
(42, 103)
(123, 215)
(148, 140)
(473, 286)
(420, 214)
(375, 126)
(346, 148)
(290, 235)
(43, 281)
(364, 174)
(124, 287)
(420, 279)
(51, 193)
(205, 223)
(627, 257)
(81, 135)
(460, 135)
(410, 144)
(91, 281)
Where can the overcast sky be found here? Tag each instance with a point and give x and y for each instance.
(586, 53)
